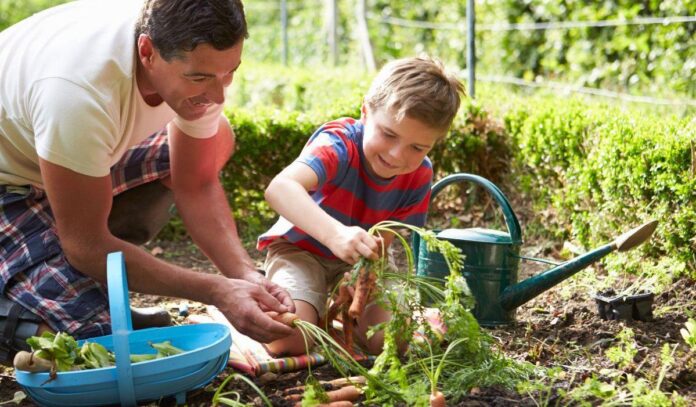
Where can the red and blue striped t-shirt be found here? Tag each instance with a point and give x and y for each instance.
(350, 193)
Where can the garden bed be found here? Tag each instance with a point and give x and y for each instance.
(559, 329)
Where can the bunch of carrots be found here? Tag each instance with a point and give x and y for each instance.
(350, 302)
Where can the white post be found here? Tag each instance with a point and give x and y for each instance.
(332, 29)
(284, 28)
(364, 35)
(471, 46)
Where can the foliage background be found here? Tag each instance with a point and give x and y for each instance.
(657, 59)
(12, 11)
(587, 169)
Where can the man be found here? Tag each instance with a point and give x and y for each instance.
(86, 89)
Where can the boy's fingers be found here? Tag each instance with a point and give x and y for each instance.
(350, 259)
(366, 251)
(372, 242)
(380, 245)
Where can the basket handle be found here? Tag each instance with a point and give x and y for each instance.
(121, 325)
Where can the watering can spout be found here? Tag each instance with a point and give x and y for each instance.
(491, 258)
(518, 294)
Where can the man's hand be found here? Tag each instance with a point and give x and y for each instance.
(353, 242)
(273, 289)
(243, 304)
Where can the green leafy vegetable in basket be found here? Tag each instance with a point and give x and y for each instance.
(95, 356)
(60, 352)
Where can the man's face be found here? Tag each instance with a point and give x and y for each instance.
(394, 147)
(191, 84)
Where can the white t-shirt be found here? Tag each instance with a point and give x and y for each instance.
(68, 92)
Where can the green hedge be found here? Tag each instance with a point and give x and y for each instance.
(603, 170)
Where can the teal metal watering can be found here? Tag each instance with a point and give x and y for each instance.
(492, 259)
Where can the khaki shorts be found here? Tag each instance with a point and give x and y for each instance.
(306, 276)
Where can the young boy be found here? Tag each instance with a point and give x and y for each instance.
(351, 175)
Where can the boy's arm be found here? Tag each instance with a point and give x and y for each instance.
(288, 195)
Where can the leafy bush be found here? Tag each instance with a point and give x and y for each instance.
(643, 57)
(12, 11)
(603, 170)
(320, 91)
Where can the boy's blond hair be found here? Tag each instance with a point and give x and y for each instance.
(419, 88)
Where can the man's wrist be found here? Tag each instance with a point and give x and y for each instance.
(206, 288)
(254, 276)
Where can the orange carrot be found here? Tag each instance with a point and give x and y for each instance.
(294, 397)
(343, 381)
(332, 404)
(363, 287)
(287, 318)
(348, 393)
(347, 330)
(437, 399)
(331, 384)
(340, 301)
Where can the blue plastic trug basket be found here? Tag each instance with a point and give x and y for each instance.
(206, 350)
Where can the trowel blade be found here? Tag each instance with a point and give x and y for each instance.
(635, 236)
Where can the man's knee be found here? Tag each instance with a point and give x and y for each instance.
(138, 214)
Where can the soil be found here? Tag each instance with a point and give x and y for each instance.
(559, 328)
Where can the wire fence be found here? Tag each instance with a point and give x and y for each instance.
(552, 25)
(587, 91)
(463, 27)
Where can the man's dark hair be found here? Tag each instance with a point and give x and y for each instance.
(178, 26)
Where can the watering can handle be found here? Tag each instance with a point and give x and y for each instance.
(511, 221)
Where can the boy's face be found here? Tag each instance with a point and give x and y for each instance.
(394, 147)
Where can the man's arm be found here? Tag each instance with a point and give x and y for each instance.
(288, 195)
(81, 205)
(201, 200)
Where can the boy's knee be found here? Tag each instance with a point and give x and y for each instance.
(375, 344)
(293, 345)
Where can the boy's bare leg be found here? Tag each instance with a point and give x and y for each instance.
(294, 344)
(373, 315)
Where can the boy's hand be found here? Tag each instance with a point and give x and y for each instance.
(353, 242)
